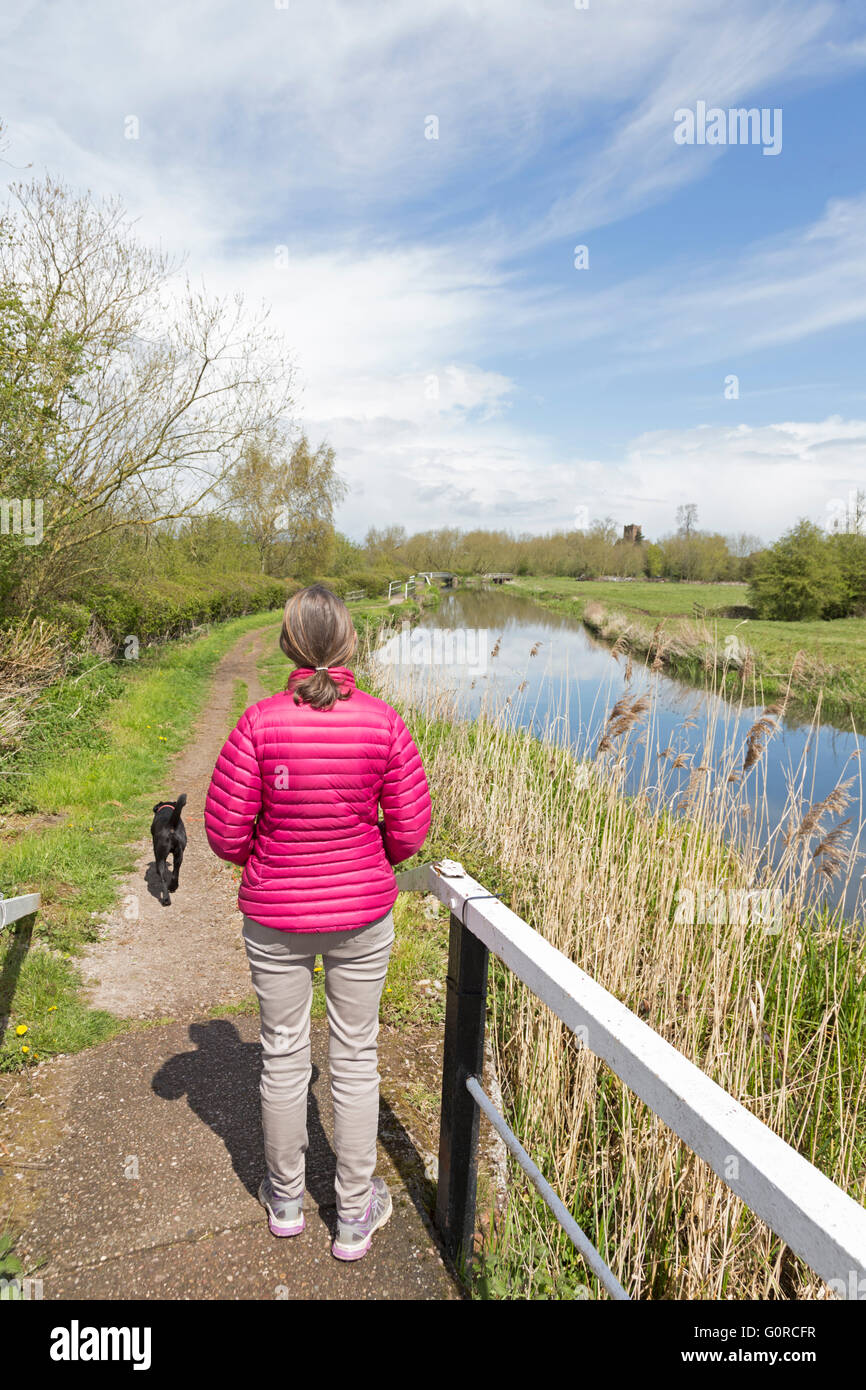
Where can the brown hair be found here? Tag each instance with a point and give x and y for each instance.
(317, 631)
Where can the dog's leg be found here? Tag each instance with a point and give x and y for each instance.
(162, 875)
(177, 860)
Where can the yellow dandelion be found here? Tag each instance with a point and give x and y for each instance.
(53, 1009)
(25, 1048)
(21, 1029)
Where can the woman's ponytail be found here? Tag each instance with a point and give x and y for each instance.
(317, 632)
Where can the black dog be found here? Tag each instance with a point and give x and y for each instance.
(169, 838)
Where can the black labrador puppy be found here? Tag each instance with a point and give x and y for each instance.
(169, 838)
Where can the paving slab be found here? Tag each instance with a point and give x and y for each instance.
(137, 1164)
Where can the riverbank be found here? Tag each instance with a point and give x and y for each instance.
(654, 907)
(692, 629)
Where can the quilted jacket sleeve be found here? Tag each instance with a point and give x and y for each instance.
(404, 798)
(234, 797)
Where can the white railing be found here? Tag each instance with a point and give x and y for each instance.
(13, 908)
(395, 585)
(815, 1217)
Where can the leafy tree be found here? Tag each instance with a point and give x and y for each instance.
(311, 487)
(796, 579)
(384, 547)
(848, 555)
(348, 554)
(655, 560)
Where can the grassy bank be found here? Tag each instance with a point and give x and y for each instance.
(659, 622)
(76, 796)
(775, 1016)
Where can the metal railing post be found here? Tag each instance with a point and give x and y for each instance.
(463, 1056)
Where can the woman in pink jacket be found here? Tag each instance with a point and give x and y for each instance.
(294, 798)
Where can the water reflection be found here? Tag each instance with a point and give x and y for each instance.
(477, 646)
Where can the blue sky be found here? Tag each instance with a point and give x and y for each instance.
(442, 339)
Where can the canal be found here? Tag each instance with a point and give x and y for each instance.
(494, 651)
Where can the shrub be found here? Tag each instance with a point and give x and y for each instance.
(159, 608)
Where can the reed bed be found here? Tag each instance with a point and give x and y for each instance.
(636, 861)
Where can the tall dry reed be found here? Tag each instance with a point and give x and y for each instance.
(637, 880)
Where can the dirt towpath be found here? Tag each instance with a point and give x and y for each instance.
(169, 962)
(130, 1170)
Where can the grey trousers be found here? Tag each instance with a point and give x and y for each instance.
(355, 964)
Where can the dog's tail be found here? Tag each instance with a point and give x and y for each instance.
(178, 807)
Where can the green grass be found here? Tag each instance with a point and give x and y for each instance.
(98, 747)
(636, 596)
(240, 700)
(834, 667)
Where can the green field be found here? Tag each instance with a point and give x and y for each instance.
(830, 657)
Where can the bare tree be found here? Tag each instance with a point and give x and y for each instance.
(744, 544)
(286, 502)
(150, 389)
(687, 519)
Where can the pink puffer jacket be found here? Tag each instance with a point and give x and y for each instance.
(294, 797)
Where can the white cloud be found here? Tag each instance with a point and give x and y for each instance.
(304, 127)
(716, 308)
(748, 479)
(759, 480)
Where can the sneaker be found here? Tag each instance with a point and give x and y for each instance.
(285, 1217)
(354, 1236)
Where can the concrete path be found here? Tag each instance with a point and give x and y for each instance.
(144, 1156)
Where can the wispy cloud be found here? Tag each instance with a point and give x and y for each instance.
(415, 278)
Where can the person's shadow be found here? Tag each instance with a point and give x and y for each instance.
(221, 1083)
